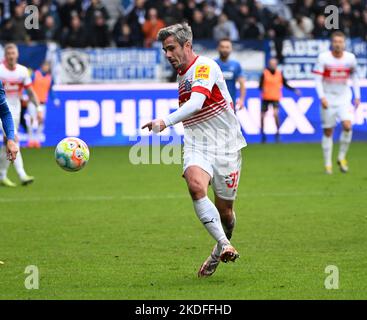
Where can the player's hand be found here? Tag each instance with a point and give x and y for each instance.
(357, 102)
(11, 150)
(156, 125)
(240, 104)
(40, 117)
(324, 103)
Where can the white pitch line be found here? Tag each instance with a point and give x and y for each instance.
(149, 197)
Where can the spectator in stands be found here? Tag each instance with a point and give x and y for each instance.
(251, 29)
(171, 13)
(122, 35)
(18, 21)
(74, 36)
(98, 34)
(319, 31)
(200, 28)
(50, 29)
(301, 26)
(136, 19)
(7, 33)
(277, 31)
(209, 15)
(68, 10)
(225, 29)
(151, 27)
(95, 7)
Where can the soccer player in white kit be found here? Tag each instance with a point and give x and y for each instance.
(14, 78)
(333, 70)
(212, 140)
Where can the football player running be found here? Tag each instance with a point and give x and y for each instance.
(14, 78)
(212, 140)
(333, 70)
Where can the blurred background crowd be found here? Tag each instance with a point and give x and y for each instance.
(135, 23)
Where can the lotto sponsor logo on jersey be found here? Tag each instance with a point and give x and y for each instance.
(202, 72)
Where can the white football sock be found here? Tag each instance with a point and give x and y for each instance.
(208, 214)
(327, 148)
(39, 131)
(228, 233)
(345, 140)
(19, 167)
(4, 163)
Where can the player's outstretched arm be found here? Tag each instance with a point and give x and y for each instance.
(193, 105)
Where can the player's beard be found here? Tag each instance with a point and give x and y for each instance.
(224, 56)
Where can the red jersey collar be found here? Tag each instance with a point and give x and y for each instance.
(182, 72)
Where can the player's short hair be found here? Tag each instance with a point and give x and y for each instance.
(10, 46)
(337, 33)
(224, 39)
(180, 31)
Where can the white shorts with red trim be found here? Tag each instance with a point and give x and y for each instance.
(224, 171)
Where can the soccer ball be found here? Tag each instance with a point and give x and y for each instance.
(72, 154)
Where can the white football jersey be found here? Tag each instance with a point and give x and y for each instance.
(14, 81)
(336, 73)
(214, 127)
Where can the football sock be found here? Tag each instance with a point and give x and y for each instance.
(19, 167)
(39, 131)
(327, 148)
(4, 163)
(208, 214)
(228, 233)
(345, 140)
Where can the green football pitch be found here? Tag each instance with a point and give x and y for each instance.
(122, 231)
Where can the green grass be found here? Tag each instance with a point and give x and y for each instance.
(119, 231)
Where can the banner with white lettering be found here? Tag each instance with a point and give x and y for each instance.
(107, 115)
(300, 56)
(107, 65)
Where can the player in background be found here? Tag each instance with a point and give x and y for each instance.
(270, 85)
(212, 140)
(42, 85)
(14, 78)
(11, 148)
(333, 70)
(232, 73)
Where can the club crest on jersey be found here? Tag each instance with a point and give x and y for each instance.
(187, 85)
(202, 72)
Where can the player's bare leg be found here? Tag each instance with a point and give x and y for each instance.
(263, 136)
(345, 140)
(277, 122)
(228, 253)
(327, 148)
(198, 181)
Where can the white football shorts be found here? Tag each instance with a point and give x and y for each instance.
(334, 113)
(224, 170)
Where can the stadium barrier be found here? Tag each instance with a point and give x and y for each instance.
(107, 115)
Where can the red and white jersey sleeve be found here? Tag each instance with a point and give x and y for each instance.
(14, 81)
(214, 126)
(336, 73)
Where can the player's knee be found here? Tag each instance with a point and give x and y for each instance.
(197, 189)
(347, 126)
(328, 132)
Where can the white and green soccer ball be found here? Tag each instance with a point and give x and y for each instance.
(72, 154)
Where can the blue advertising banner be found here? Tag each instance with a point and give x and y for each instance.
(300, 56)
(107, 65)
(107, 115)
